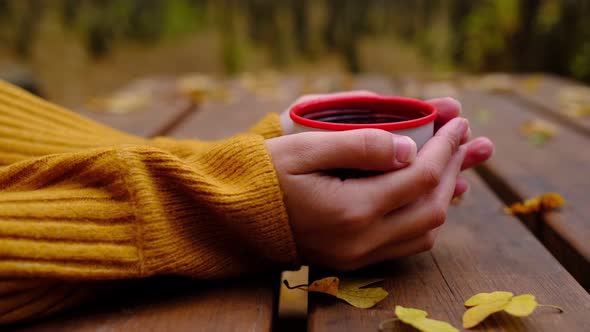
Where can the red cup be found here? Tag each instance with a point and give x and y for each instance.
(402, 116)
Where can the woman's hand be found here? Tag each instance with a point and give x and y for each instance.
(346, 224)
(477, 151)
(356, 222)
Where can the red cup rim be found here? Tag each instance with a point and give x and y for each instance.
(384, 104)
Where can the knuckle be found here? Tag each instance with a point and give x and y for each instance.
(373, 141)
(451, 141)
(348, 257)
(429, 240)
(438, 216)
(430, 175)
(357, 217)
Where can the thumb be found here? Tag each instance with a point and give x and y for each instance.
(362, 149)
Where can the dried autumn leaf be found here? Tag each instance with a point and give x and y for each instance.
(327, 285)
(544, 202)
(485, 304)
(483, 115)
(521, 305)
(538, 131)
(352, 291)
(417, 319)
(349, 290)
(495, 83)
(532, 83)
(575, 101)
(481, 298)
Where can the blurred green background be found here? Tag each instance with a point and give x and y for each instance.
(74, 49)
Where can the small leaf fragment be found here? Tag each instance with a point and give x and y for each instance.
(417, 319)
(544, 202)
(538, 131)
(483, 115)
(575, 101)
(532, 83)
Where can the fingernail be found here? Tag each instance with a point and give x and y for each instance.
(405, 149)
(464, 127)
(456, 102)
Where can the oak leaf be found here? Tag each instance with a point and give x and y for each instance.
(485, 304)
(350, 290)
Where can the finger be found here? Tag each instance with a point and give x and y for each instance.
(478, 151)
(461, 186)
(363, 149)
(448, 108)
(392, 251)
(389, 191)
(423, 215)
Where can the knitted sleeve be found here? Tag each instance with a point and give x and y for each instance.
(81, 203)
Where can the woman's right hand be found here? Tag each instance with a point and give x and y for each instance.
(347, 224)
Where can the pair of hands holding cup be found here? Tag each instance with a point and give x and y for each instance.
(349, 224)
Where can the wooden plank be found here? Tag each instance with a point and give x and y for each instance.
(219, 119)
(163, 109)
(520, 170)
(174, 304)
(548, 94)
(479, 250)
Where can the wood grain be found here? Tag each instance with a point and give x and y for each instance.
(162, 113)
(220, 119)
(479, 250)
(545, 94)
(521, 170)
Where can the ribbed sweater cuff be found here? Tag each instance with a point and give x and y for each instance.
(243, 227)
(268, 127)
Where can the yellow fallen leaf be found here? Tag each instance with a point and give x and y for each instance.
(352, 291)
(538, 131)
(575, 101)
(327, 285)
(417, 319)
(478, 313)
(349, 290)
(483, 115)
(485, 304)
(495, 83)
(532, 83)
(544, 202)
(121, 103)
(481, 298)
(521, 305)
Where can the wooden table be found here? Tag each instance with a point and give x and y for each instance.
(480, 249)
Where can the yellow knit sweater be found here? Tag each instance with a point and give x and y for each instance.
(81, 203)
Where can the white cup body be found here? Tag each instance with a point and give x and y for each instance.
(419, 134)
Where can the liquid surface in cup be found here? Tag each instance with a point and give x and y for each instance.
(357, 116)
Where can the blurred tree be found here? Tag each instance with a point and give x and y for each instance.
(27, 25)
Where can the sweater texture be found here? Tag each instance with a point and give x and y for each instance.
(82, 205)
